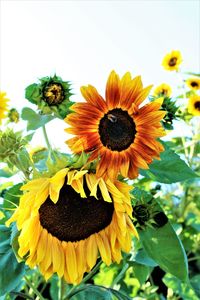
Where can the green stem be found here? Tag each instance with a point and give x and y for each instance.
(61, 291)
(46, 138)
(36, 292)
(193, 258)
(75, 288)
(47, 142)
(119, 276)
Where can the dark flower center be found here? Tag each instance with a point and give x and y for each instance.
(194, 84)
(117, 130)
(197, 105)
(53, 93)
(173, 61)
(74, 218)
(164, 92)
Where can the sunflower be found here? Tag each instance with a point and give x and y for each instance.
(163, 90)
(193, 83)
(118, 131)
(172, 61)
(68, 220)
(3, 105)
(194, 105)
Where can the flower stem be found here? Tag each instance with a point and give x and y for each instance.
(46, 138)
(61, 291)
(36, 292)
(75, 288)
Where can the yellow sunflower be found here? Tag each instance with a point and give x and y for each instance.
(68, 220)
(172, 61)
(194, 105)
(193, 83)
(117, 130)
(3, 105)
(163, 90)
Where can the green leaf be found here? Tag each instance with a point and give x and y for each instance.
(120, 295)
(35, 120)
(193, 74)
(12, 196)
(142, 258)
(194, 281)
(141, 272)
(183, 289)
(32, 92)
(11, 271)
(6, 173)
(91, 292)
(171, 168)
(54, 288)
(164, 247)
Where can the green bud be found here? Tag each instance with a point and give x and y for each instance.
(51, 95)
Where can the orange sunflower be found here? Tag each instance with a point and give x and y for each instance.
(117, 131)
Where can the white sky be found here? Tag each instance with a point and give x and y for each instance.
(82, 41)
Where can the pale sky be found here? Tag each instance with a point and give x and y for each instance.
(82, 41)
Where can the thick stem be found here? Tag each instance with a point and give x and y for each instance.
(36, 292)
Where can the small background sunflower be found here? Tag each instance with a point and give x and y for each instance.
(3, 105)
(172, 61)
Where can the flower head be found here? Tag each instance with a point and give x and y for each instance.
(172, 61)
(163, 90)
(194, 105)
(68, 220)
(13, 115)
(117, 131)
(193, 83)
(51, 95)
(3, 105)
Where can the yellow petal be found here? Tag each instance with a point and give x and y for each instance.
(71, 262)
(104, 190)
(91, 251)
(104, 247)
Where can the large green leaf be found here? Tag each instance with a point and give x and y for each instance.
(35, 120)
(164, 247)
(11, 271)
(170, 168)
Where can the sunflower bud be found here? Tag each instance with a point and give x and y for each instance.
(10, 144)
(51, 95)
(169, 106)
(13, 115)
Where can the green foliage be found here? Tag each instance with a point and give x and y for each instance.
(8, 280)
(183, 289)
(35, 120)
(91, 292)
(169, 169)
